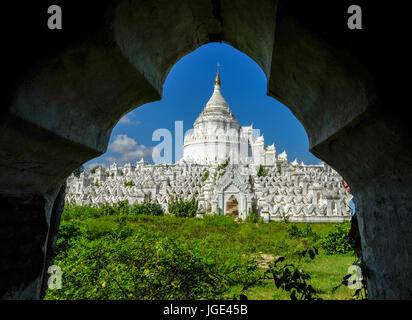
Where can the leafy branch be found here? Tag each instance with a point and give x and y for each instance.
(290, 278)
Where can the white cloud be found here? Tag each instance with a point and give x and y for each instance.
(140, 152)
(129, 150)
(125, 120)
(110, 159)
(122, 143)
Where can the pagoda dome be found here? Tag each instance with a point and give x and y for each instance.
(216, 132)
(217, 109)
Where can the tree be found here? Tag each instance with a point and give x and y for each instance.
(180, 208)
(94, 170)
(261, 172)
(129, 184)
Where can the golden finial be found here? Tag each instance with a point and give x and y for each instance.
(217, 79)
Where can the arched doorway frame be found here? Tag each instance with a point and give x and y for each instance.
(232, 198)
(339, 84)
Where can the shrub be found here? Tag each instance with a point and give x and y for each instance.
(220, 221)
(146, 208)
(290, 278)
(336, 241)
(122, 207)
(143, 256)
(182, 208)
(261, 172)
(93, 171)
(252, 217)
(123, 233)
(295, 231)
(129, 184)
(106, 209)
(72, 211)
(96, 228)
(206, 175)
(140, 267)
(223, 164)
(68, 232)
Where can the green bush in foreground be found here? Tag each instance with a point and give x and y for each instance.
(138, 267)
(336, 241)
(305, 231)
(122, 265)
(252, 217)
(130, 252)
(72, 211)
(146, 208)
(181, 208)
(68, 231)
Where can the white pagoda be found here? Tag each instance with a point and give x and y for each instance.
(228, 170)
(217, 136)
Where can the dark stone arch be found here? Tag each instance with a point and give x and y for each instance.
(63, 99)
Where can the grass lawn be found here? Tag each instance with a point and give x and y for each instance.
(217, 241)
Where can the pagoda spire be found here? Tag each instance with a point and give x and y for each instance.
(217, 79)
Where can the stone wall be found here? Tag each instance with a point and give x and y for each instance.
(300, 193)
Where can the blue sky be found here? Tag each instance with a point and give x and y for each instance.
(187, 89)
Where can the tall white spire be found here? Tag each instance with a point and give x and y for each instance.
(217, 100)
(217, 78)
(217, 109)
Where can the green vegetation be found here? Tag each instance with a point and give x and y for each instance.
(181, 208)
(261, 171)
(129, 184)
(305, 231)
(136, 252)
(290, 278)
(223, 164)
(122, 208)
(93, 170)
(252, 217)
(205, 176)
(336, 241)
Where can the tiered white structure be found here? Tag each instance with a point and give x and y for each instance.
(220, 169)
(217, 136)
